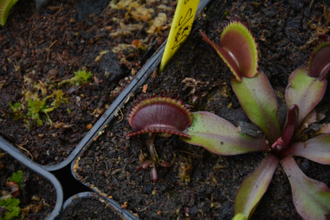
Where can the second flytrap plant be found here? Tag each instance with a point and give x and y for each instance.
(304, 91)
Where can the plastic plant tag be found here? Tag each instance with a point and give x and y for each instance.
(181, 26)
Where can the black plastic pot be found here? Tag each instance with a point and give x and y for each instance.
(226, 205)
(84, 9)
(39, 170)
(65, 162)
(96, 130)
(74, 203)
(112, 111)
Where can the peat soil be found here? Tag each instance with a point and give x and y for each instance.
(38, 50)
(88, 207)
(38, 195)
(199, 184)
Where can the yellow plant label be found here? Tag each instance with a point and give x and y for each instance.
(181, 26)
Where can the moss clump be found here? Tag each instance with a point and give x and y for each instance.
(11, 206)
(81, 77)
(38, 109)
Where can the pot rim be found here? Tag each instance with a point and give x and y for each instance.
(15, 153)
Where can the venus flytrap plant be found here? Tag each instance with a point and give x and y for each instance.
(304, 91)
(158, 114)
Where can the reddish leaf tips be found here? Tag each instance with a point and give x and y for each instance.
(319, 63)
(225, 56)
(160, 114)
(291, 123)
(240, 44)
(153, 174)
(237, 49)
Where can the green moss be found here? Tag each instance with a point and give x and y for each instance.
(17, 177)
(59, 98)
(81, 77)
(11, 206)
(17, 110)
(38, 110)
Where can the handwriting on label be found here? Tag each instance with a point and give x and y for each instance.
(183, 31)
(181, 27)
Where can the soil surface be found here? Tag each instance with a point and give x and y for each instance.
(39, 50)
(38, 195)
(199, 184)
(89, 207)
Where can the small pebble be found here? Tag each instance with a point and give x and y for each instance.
(89, 126)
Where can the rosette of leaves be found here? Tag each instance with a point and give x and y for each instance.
(305, 89)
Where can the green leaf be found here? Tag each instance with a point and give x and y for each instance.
(5, 6)
(37, 106)
(16, 107)
(220, 136)
(304, 91)
(310, 197)
(255, 186)
(83, 75)
(39, 122)
(17, 177)
(47, 109)
(239, 216)
(316, 149)
(34, 107)
(59, 98)
(259, 103)
(12, 208)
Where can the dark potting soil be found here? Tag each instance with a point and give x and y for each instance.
(41, 49)
(199, 184)
(38, 196)
(89, 207)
